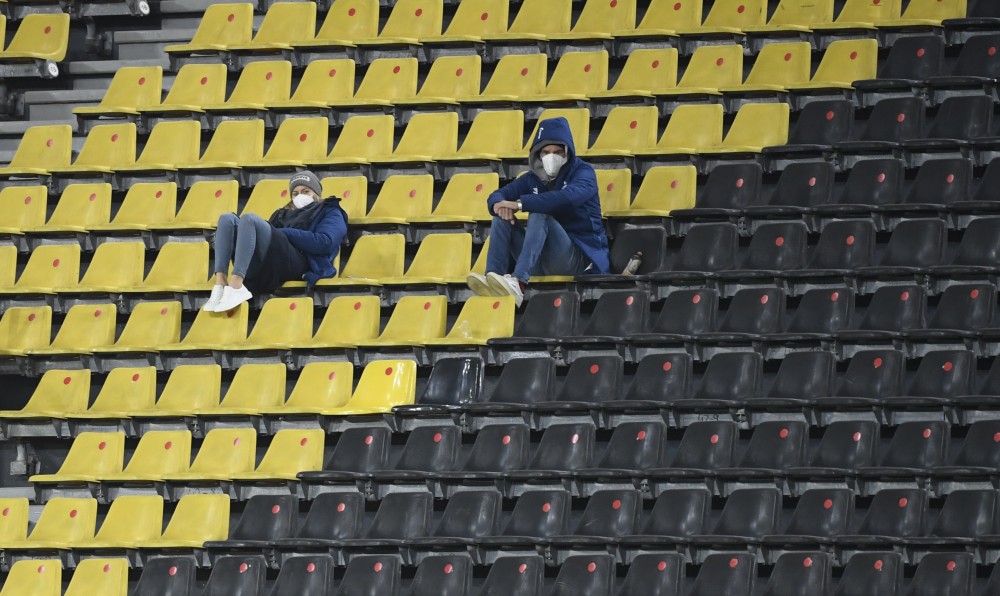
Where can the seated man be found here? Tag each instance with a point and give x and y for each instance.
(564, 234)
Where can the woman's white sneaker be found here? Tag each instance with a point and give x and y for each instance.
(213, 298)
(232, 297)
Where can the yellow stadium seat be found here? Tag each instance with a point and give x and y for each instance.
(126, 389)
(710, 69)
(736, 15)
(427, 136)
(385, 80)
(267, 197)
(254, 388)
(291, 451)
(865, 14)
(260, 83)
(195, 86)
(198, 519)
(298, 141)
(100, 576)
(214, 331)
(14, 519)
(50, 266)
(132, 520)
(106, 148)
(481, 318)
(190, 388)
(322, 82)
(538, 19)
(626, 130)
(577, 75)
(579, 126)
(132, 87)
(282, 323)
(384, 384)
(8, 265)
(372, 258)
(778, 65)
(757, 125)
(797, 15)
(646, 72)
(921, 12)
(411, 20)
(42, 148)
(492, 133)
(85, 326)
(34, 577)
(363, 139)
(57, 392)
(479, 266)
(352, 191)
(464, 199)
(221, 26)
(663, 189)
(440, 259)
(39, 37)
(515, 76)
(346, 22)
(414, 320)
(690, 129)
(158, 453)
(145, 204)
(204, 203)
(844, 62)
(22, 207)
(476, 20)
(401, 197)
(348, 320)
(79, 207)
(169, 143)
(614, 188)
(284, 24)
(150, 325)
(602, 19)
(449, 78)
(114, 266)
(63, 523)
(90, 457)
(669, 17)
(223, 453)
(179, 267)
(321, 385)
(234, 143)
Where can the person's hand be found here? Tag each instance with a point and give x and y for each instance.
(505, 210)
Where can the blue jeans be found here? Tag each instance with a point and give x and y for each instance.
(541, 247)
(240, 240)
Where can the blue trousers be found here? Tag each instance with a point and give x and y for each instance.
(240, 240)
(541, 247)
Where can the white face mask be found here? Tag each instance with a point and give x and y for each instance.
(551, 163)
(302, 200)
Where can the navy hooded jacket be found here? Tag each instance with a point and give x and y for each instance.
(321, 242)
(571, 198)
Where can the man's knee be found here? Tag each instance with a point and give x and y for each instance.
(539, 219)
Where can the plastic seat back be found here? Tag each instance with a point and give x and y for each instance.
(442, 575)
(915, 243)
(100, 576)
(822, 310)
(895, 308)
(777, 445)
(593, 379)
(725, 573)
(540, 514)
(944, 373)
(692, 128)
(453, 382)
(707, 247)
(618, 313)
(237, 575)
(334, 516)
(873, 374)
(822, 512)
(40, 36)
(525, 381)
(499, 448)
(661, 378)
(706, 446)
(38, 577)
(847, 445)
(872, 573)
(635, 446)
(205, 202)
(514, 574)
(844, 244)
(430, 449)
(896, 512)
(226, 451)
(654, 574)
(610, 514)
(236, 142)
(167, 576)
(385, 384)
(585, 574)
(732, 377)
(750, 512)
(549, 315)
(307, 575)
(22, 207)
(823, 122)
(564, 447)
(414, 18)
(350, 22)
(199, 518)
(470, 514)
(256, 387)
(362, 449)
(44, 148)
(402, 516)
(967, 514)
(285, 23)
(800, 573)
(267, 517)
(322, 385)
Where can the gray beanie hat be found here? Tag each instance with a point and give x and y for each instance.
(307, 179)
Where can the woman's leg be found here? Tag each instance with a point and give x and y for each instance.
(225, 244)
(253, 237)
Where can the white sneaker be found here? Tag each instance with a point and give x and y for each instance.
(232, 297)
(479, 285)
(505, 285)
(213, 299)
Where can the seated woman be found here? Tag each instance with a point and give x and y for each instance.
(299, 241)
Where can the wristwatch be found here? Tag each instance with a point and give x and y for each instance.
(519, 206)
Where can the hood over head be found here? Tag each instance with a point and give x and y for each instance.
(551, 131)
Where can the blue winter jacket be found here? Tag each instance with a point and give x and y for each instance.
(571, 198)
(321, 242)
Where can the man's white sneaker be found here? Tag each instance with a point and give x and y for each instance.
(505, 285)
(479, 285)
(213, 298)
(232, 297)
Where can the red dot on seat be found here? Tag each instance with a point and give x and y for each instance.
(236, 441)
(633, 124)
(733, 562)
(856, 437)
(114, 139)
(142, 80)
(275, 509)
(974, 294)
(437, 437)
(159, 194)
(667, 366)
(629, 301)
(830, 115)
(496, 305)
(292, 306)
(880, 177)
(656, 64)
(661, 565)
(904, 296)
(48, 30)
(713, 439)
(268, 76)
(347, 194)
(673, 184)
(594, 368)
(574, 439)
(244, 567)
(696, 299)
(341, 507)
(67, 381)
(611, 186)
(310, 567)
(230, 313)
(458, 72)
(388, 371)
(352, 12)
(557, 302)
(788, 57)
(378, 567)
(992, 51)
(524, 72)
(6, 511)
(784, 433)
(97, 313)
(522, 568)
(413, 193)
(779, 241)
(172, 571)
(505, 440)
(950, 566)
(854, 55)
(903, 502)
(101, 446)
(204, 80)
(168, 445)
(878, 565)
(427, 305)
(812, 182)
(741, 9)
(370, 133)
(641, 435)
(807, 562)
(448, 568)
(303, 137)
(546, 507)
(418, 12)
(720, 62)
(763, 299)
(479, 188)
(996, 437)
(827, 503)
(947, 366)
(591, 567)
(41, 569)
(739, 183)
(677, 6)
(31, 317)
(849, 241)
(613, 3)
(927, 433)
(587, 68)
(303, 442)
(920, 53)
(876, 2)
(901, 118)
(135, 377)
(616, 504)
(950, 178)
(834, 296)
(877, 363)
(484, 16)
(231, 17)
(218, 193)
(72, 513)
(27, 200)
(49, 143)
